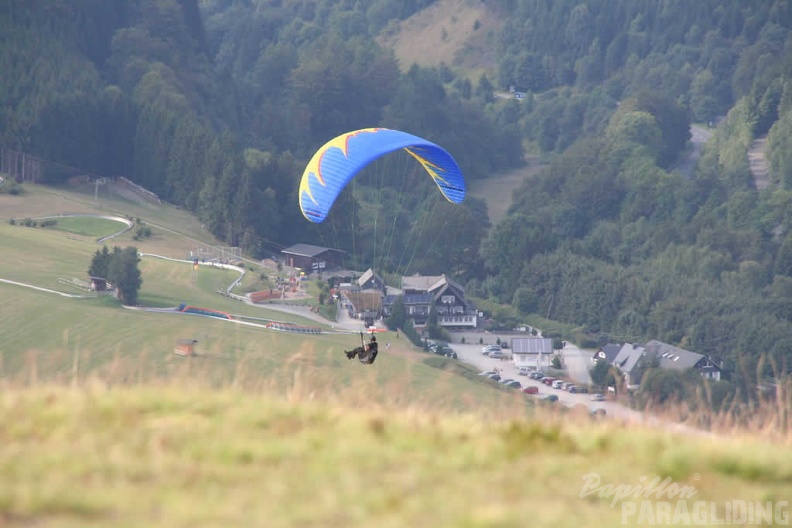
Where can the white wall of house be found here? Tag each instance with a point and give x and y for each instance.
(536, 361)
(458, 320)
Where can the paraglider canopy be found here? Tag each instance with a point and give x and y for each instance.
(341, 158)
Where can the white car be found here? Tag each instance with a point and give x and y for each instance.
(597, 397)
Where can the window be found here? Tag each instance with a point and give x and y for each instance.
(448, 299)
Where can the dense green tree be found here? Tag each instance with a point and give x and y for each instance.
(123, 271)
(608, 235)
(398, 315)
(100, 263)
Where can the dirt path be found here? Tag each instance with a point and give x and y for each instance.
(698, 136)
(758, 163)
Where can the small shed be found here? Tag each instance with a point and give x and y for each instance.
(312, 259)
(185, 347)
(98, 284)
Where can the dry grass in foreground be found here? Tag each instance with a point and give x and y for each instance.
(175, 454)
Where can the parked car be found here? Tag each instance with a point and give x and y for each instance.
(487, 373)
(578, 390)
(531, 390)
(547, 380)
(447, 351)
(599, 413)
(490, 348)
(495, 377)
(597, 397)
(557, 384)
(499, 354)
(507, 380)
(550, 398)
(514, 384)
(536, 375)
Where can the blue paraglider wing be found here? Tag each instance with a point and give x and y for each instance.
(341, 158)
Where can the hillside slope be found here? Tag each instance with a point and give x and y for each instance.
(177, 456)
(459, 33)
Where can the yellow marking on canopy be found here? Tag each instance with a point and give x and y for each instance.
(315, 165)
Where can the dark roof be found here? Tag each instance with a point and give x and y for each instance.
(672, 357)
(443, 283)
(443, 286)
(611, 350)
(628, 357)
(367, 276)
(307, 250)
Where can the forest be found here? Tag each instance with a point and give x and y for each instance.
(217, 105)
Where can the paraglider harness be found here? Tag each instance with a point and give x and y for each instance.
(366, 353)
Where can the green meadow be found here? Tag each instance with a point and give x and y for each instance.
(103, 425)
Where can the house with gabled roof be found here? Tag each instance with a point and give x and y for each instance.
(676, 358)
(450, 305)
(310, 258)
(668, 357)
(606, 353)
(370, 281)
(626, 361)
(533, 352)
(421, 293)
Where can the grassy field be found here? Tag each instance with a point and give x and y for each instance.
(453, 32)
(103, 425)
(180, 455)
(49, 338)
(497, 190)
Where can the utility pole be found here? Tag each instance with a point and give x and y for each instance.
(97, 183)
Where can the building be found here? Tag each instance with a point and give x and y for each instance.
(422, 293)
(371, 281)
(98, 284)
(676, 358)
(606, 353)
(311, 259)
(668, 357)
(533, 352)
(626, 361)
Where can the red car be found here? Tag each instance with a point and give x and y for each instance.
(531, 390)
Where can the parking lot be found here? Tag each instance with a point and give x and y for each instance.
(471, 354)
